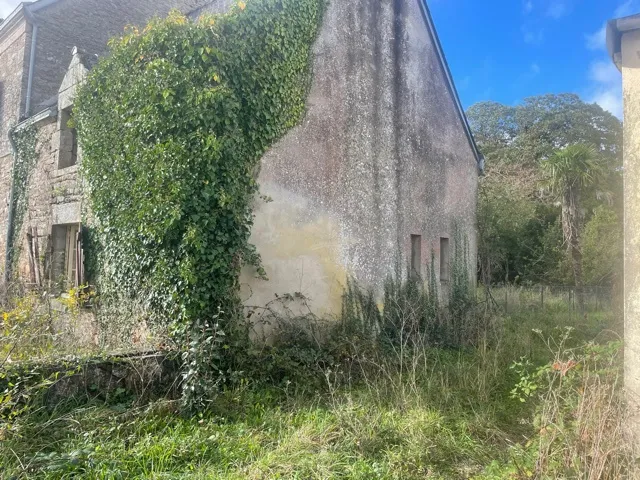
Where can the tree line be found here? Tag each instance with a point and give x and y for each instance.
(550, 201)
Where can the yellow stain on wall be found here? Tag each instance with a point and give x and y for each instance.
(300, 253)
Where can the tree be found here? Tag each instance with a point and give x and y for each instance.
(602, 247)
(568, 173)
(520, 228)
(533, 130)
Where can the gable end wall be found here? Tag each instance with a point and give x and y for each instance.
(381, 155)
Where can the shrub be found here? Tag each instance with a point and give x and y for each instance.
(580, 415)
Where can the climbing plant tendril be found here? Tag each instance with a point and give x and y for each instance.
(172, 126)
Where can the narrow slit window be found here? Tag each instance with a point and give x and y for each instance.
(68, 154)
(445, 260)
(416, 255)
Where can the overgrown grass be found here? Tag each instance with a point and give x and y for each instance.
(353, 411)
(385, 428)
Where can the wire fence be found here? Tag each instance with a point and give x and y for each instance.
(512, 297)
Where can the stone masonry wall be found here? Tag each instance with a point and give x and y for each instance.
(88, 25)
(40, 195)
(54, 194)
(12, 91)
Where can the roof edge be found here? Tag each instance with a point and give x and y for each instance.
(40, 4)
(426, 14)
(43, 115)
(615, 29)
(26, 9)
(12, 19)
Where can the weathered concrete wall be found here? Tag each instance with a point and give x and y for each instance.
(381, 155)
(631, 87)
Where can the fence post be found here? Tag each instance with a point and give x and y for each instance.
(541, 296)
(506, 299)
(570, 304)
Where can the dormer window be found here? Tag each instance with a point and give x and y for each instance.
(68, 153)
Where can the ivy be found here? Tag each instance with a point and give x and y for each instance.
(172, 125)
(26, 157)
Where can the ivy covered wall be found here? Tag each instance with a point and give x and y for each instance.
(172, 125)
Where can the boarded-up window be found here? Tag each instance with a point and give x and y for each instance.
(445, 260)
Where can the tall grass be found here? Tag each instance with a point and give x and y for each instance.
(382, 394)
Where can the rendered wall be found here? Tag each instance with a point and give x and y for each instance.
(631, 89)
(381, 155)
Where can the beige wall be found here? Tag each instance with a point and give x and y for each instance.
(631, 91)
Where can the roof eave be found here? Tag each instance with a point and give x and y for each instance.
(24, 9)
(38, 118)
(615, 29)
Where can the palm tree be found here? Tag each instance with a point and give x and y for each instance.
(568, 173)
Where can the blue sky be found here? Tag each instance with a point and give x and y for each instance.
(506, 50)
(513, 49)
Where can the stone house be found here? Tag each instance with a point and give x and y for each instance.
(36, 41)
(377, 178)
(623, 44)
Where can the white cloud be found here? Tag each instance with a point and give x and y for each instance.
(604, 72)
(535, 68)
(606, 86)
(557, 9)
(609, 99)
(598, 39)
(532, 37)
(627, 8)
(527, 7)
(7, 6)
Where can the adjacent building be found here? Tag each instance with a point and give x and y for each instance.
(380, 178)
(623, 43)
